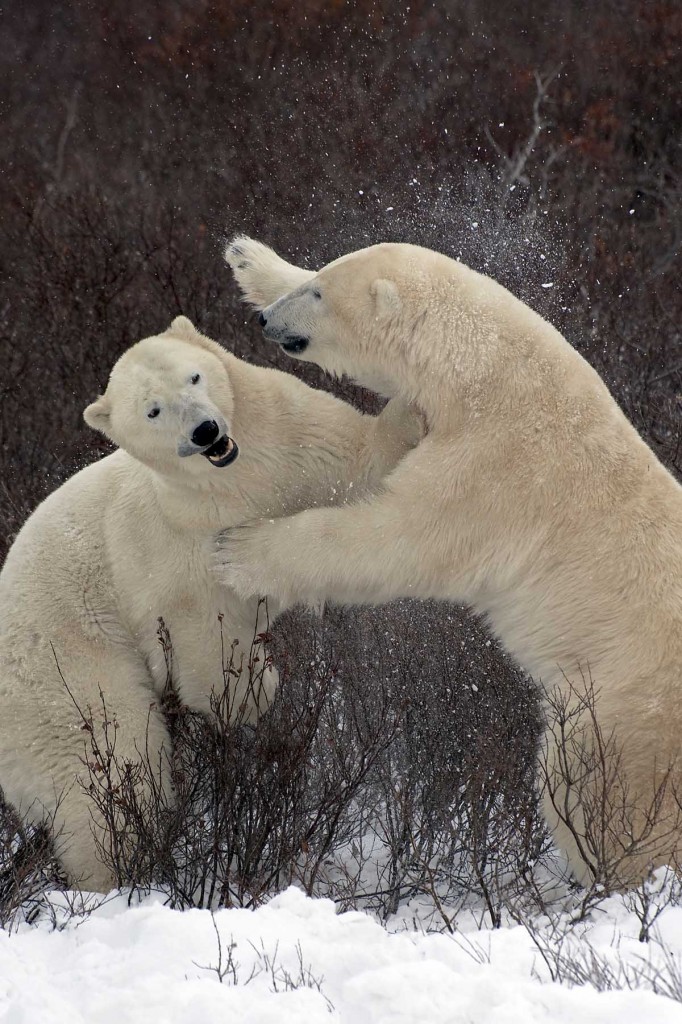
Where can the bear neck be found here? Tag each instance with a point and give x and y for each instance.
(216, 500)
(461, 341)
(475, 374)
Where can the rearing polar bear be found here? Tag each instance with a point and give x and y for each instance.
(531, 499)
(205, 441)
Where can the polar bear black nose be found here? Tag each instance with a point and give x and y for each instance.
(205, 433)
(261, 320)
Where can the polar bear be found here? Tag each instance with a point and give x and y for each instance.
(532, 499)
(205, 441)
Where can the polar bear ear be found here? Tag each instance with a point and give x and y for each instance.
(386, 298)
(184, 328)
(98, 414)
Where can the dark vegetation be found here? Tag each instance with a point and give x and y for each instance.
(538, 141)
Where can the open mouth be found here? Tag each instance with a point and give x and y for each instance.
(223, 452)
(295, 344)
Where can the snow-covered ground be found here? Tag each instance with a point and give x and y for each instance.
(296, 961)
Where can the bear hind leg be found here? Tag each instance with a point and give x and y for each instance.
(55, 749)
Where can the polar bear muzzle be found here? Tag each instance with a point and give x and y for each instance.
(223, 452)
(294, 343)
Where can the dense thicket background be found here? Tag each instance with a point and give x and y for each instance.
(537, 139)
(135, 136)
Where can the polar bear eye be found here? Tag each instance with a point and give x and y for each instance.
(316, 294)
(196, 378)
(153, 413)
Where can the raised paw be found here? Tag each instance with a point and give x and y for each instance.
(243, 252)
(262, 275)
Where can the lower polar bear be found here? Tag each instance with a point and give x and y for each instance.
(532, 499)
(129, 539)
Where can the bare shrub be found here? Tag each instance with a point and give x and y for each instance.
(381, 772)
(572, 960)
(394, 764)
(647, 902)
(28, 867)
(615, 830)
(281, 978)
(252, 807)
(457, 816)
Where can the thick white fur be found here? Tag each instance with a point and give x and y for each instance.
(531, 499)
(262, 275)
(129, 539)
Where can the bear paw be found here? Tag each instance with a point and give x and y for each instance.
(262, 275)
(243, 562)
(253, 265)
(244, 253)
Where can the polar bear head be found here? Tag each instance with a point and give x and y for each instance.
(169, 397)
(356, 315)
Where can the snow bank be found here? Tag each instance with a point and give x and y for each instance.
(295, 960)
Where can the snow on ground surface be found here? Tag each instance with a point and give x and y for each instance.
(296, 961)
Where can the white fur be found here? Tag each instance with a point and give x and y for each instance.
(129, 539)
(531, 499)
(262, 275)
